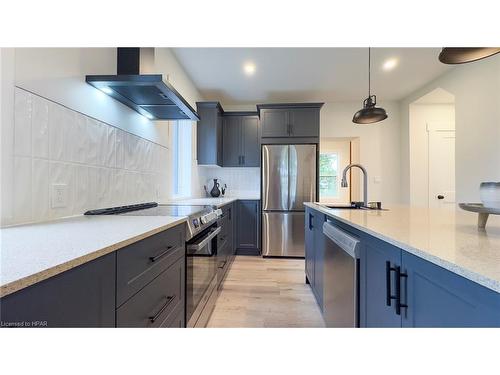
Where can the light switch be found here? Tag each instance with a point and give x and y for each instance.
(59, 195)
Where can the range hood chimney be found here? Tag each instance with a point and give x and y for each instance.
(147, 94)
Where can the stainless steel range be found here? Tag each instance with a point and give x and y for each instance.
(201, 251)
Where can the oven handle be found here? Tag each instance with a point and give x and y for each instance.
(200, 245)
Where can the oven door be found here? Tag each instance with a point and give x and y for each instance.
(201, 272)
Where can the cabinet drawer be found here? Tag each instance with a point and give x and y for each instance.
(153, 304)
(142, 261)
(175, 319)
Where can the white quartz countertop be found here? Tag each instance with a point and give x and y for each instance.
(219, 202)
(447, 237)
(32, 253)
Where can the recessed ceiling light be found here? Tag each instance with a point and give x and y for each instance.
(249, 68)
(106, 90)
(390, 64)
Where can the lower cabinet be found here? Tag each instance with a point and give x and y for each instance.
(157, 301)
(225, 242)
(315, 252)
(436, 297)
(398, 289)
(80, 297)
(248, 227)
(141, 285)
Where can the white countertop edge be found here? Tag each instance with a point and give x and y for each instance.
(26, 281)
(466, 273)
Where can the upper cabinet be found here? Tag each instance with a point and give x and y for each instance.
(209, 133)
(241, 140)
(290, 120)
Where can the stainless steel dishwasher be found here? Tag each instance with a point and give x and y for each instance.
(340, 277)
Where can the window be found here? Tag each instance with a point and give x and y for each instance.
(181, 158)
(328, 175)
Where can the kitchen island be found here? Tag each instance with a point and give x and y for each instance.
(442, 259)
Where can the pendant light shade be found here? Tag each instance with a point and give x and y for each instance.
(369, 113)
(462, 55)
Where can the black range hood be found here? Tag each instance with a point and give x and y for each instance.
(147, 94)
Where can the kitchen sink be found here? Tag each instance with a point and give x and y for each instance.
(352, 206)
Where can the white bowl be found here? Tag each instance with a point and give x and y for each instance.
(490, 194)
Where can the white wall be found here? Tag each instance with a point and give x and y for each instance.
(379, 148)
(476, 87)
(420, 116)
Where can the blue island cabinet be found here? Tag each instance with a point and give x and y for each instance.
(436, 297)
(315, 253)
(398, 289)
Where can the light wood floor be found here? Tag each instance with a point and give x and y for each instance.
(264, 292)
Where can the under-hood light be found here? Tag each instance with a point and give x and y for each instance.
(106, 90)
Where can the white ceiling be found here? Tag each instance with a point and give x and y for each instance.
(307, 74)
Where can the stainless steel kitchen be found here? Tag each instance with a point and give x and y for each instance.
(299, 197)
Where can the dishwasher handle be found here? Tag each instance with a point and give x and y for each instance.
(344, 240)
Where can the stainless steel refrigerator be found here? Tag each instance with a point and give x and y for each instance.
(288, 180)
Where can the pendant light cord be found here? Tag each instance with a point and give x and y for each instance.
(369, 71)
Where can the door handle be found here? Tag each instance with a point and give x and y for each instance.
(388, 294)
(440, 196)
(403, 275)
(310, 221)
(400, 275)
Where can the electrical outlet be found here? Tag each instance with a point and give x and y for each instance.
(59, 195)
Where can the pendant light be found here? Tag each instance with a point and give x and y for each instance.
(369, 113)
(462, 55)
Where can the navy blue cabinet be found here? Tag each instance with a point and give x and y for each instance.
(80, 297)
(309, 245)
(315, 252)
(241, 140)
(296, 120)
(209, 133)
(436, 297)
(248, 227)
(378, 265)
(398, 289)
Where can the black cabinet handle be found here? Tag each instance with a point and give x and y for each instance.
(440, 196)
(152, 319)
(388, 294)
(310, 221)
(229, 212)
(243, 159)
(155, 258)
(403, 275)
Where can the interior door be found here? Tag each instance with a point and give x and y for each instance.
(275, 177)
(302, 176)
(441, 167)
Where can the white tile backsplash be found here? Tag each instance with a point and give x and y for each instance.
(239, 181)
(40, 127)
(100, 165)
(22, 124)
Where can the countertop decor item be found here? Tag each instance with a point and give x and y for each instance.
(215, 192)
(490, 194)
(483, 212)
(369, 113)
